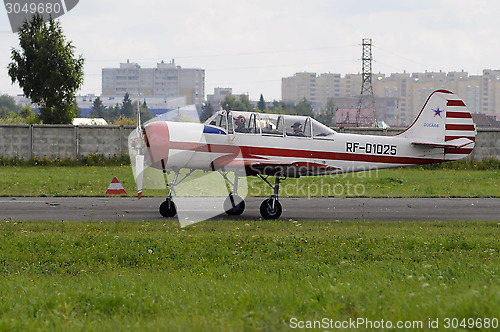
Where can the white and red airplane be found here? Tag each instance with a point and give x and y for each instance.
(263, 145)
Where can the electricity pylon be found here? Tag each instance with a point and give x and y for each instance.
(366, 98)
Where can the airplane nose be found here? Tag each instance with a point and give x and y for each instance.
(157, 138)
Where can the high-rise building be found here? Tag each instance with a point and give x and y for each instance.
(218, 96)
(167, 80)
(401, 94)
(298, 87)
(490, 92)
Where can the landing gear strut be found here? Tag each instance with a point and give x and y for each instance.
(234, 205)
(271, 207)
(168, 208)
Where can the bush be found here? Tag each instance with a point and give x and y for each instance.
(90, 160)
(482, 165)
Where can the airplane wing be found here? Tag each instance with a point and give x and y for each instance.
(456, 143)
(255, 165)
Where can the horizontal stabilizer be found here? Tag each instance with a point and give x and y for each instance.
(456, 143)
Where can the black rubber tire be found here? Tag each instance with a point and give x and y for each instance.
(236, 207)
(168, 208)
(267, 212)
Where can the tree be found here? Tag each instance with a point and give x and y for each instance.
(145, 112)
(304, 107)
(114, 112)
(277, 107)
(29, 116)
(46, 69)
(4, 112)
(231, 104)
(98, 109)
(207, 112)
(327, 114)
(8, 104)
(243, 104)
(26, 115)
(228, 102)
(261, 105)
(127, 110)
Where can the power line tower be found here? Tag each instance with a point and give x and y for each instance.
(366, 98)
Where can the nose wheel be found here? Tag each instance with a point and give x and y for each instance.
(168, 208)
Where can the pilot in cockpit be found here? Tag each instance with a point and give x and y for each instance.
(240, 124)
(297, 129)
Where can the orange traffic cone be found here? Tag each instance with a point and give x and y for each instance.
(115, 188)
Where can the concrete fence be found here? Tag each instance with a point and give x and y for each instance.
(62, 141)
(65, 141)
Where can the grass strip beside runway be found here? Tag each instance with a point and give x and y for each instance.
(243, 275)
(41, 181)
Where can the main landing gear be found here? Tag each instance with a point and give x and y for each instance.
(271, 207)
(234, 205)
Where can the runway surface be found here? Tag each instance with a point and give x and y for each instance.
(343, 209)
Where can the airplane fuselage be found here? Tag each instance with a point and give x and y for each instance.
(187, 146)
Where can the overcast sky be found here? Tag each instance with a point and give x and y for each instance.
(251, 45)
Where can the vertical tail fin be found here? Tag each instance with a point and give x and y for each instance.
(444, 122)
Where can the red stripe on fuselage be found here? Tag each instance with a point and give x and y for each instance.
(252, 151)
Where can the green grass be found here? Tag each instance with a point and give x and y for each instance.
(237, 276)
(403, 182)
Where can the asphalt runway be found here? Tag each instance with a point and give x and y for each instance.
(342, 209)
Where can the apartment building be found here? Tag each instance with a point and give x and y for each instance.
(167, 80)
(403, 94)
(298, 87)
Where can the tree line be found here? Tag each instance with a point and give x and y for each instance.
(123, 114)
(11, 113)
(120, 114)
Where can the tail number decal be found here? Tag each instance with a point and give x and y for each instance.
(371, 148)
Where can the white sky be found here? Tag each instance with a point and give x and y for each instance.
(251, 45)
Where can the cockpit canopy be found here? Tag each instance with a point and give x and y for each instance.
(236, 122)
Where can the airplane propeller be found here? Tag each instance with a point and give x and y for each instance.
(136, 148)
(139, 173)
